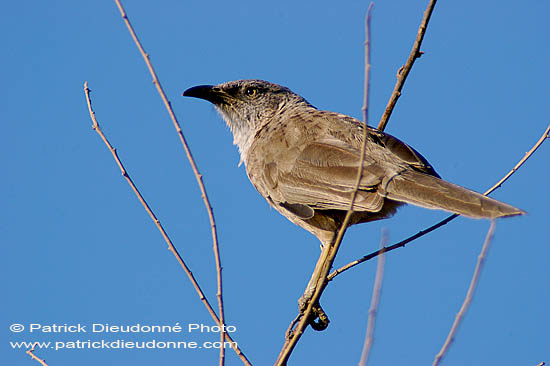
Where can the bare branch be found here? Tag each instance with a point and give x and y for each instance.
(198, 176)
(328, 254)
(402, 243)
(30, 352)
(377, 289)
(469, 295)
(405, 69)
(366, 84)
(527, 155)
(171, 247)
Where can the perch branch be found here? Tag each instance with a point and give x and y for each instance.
(293, 336)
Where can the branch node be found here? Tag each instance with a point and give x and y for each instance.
(400, 71)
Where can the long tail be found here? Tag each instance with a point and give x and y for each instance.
(430, 192)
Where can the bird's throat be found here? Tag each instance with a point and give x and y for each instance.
(241, 130)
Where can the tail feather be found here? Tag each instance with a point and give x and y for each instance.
(431, 192)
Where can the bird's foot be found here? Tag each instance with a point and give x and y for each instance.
(318, 319)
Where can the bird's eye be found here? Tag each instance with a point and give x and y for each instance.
(251, 91)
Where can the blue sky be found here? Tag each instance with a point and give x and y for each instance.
(78, 247)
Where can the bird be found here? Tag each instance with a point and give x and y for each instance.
(304, 161)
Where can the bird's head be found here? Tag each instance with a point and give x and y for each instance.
(248, 105)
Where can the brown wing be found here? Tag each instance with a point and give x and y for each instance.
(325, 171)
(324, 176)
(403, 152)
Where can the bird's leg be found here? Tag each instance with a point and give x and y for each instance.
(312, 286)
(315, 277)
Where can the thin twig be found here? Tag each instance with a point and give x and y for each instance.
(294, 336)
(366, 83)
(469, 295)
(198, 176)
(30, 352)
(171, 247)
(544, 136)
(390, 248)
(377, 289)
(405, 69)
(402, 243)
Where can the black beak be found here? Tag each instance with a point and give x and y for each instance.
(211, 93)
